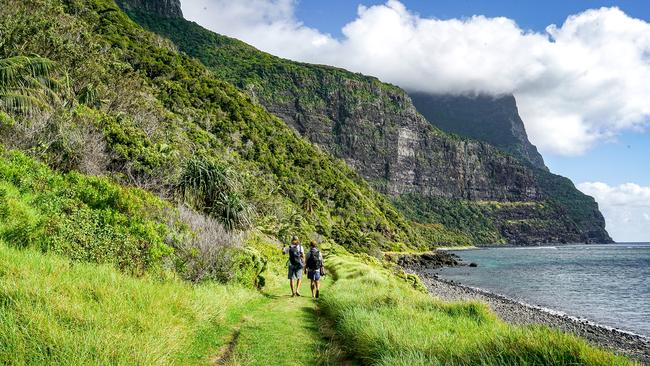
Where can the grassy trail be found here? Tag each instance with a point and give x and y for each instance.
(284, 331)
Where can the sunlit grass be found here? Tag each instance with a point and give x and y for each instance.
(57, 312)
(383, 321)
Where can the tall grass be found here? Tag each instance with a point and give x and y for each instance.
(57, 312)
(384, 321)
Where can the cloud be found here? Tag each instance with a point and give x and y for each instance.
(626, 209)
(577, 84)
(269, 25)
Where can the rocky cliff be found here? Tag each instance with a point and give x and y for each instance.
(377, 130)
(162, 8)
(494, 120)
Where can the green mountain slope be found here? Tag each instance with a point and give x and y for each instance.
(376, 129)
(136, 110)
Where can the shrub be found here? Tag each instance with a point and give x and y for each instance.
(205, 251)
(81, 217)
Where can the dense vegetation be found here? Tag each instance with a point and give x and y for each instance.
(468, 217)
(81, 217)
(147, 116)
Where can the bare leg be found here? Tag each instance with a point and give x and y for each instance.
(291, 284)
(313, 288)
(298, 286)
(317, 288)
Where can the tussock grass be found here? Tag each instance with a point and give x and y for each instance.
(57, 312)
(384, 321)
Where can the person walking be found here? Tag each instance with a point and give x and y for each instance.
(314, 268)
(295, 264)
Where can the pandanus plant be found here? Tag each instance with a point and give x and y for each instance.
(211, 188)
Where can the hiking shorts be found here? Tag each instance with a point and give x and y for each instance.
(295, 272)
(313, 275)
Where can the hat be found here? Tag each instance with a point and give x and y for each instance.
(294, 238)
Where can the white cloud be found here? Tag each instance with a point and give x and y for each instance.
(626, 209)
(576, 84)
(269, 25)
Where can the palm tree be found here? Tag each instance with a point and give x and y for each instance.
(26, 85)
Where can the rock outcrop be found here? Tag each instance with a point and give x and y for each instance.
(162, 8)
(494, 120)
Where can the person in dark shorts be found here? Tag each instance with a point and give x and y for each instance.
(296, 264)
(314, 268)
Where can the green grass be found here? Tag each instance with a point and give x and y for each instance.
(57, 312)
(285, 331)
(54, 311)
(384, 321)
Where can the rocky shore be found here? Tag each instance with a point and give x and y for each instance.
(631, 345)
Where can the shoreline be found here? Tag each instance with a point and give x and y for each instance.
(634, 346)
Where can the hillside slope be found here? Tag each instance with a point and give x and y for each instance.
(466, 185)
(127, 105)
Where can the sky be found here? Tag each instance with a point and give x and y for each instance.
(580, 71)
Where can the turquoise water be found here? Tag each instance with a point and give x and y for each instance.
(607, 284)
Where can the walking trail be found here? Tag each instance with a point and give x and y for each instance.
(283, 330)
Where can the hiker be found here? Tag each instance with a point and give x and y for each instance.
(314, 268)
(295, 264)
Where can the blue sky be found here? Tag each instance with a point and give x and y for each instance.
(331, 15)
(625, 160)
(582, 87)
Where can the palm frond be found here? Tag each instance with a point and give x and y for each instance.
(26, 85)
(21, 104)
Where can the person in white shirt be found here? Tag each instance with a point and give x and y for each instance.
(296, 264)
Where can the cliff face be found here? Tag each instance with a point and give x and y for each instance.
(162, 8)
(494, 120)
(377, 130)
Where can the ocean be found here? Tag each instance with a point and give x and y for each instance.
(608, 284)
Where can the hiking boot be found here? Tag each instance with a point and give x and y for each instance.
(297, 294)
(317, 293)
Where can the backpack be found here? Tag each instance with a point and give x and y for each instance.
(314, 262)
(294, 256)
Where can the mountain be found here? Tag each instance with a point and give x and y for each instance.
(493, 119)
(435, 178)
(113, 100)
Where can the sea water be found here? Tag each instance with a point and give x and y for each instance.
(608, 284)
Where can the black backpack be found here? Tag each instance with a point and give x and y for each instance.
(314, 262)
(294, 256)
